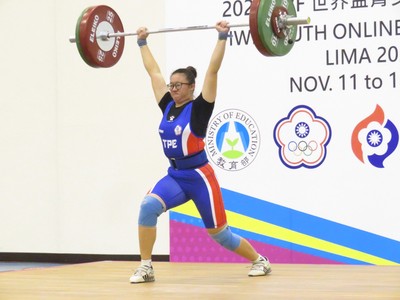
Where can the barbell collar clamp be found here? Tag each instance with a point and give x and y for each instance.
(292, 21)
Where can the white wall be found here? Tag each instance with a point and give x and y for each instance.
(75, 153)
(79, 146)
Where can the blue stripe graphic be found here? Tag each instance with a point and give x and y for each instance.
(311, 225)
(297, 221)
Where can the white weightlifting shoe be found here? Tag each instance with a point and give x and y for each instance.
(260, 267)
(143, 274)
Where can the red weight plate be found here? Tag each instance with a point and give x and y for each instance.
(255, 35)
(96, 52)
(276, 14)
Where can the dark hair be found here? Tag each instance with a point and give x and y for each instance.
(189, 72)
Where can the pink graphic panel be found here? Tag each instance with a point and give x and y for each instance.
(190, 243)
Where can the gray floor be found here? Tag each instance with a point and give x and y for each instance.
(14, 266)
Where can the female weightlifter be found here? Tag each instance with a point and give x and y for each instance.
(190, 176)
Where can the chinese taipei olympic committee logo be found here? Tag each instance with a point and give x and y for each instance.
(374, 139)
(302, 138)
(232, 140)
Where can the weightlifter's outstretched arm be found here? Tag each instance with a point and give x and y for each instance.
(210, 81)
(157, 80)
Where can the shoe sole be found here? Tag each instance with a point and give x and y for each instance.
(136, 282)
(269, 270)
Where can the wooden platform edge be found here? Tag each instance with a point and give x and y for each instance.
(72, 258)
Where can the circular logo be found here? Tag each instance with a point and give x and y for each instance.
(374, 138)
(302, 130)
(232, 140)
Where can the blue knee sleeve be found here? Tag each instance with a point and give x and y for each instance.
(227, 239)
(150, 210)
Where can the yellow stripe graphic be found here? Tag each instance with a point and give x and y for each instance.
(263, 228)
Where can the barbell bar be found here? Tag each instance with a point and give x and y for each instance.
(107, 35)
(285, 22)
(100, 36)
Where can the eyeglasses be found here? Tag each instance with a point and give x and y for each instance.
(176, 85)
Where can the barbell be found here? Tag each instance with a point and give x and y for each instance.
(100, 36)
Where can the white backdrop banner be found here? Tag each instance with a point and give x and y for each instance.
(305, 145)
